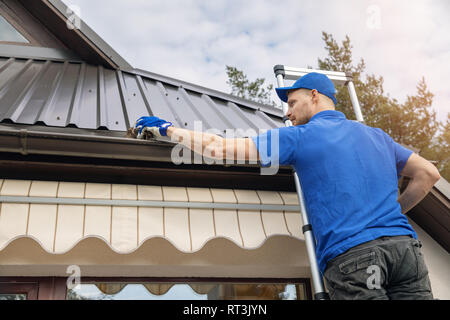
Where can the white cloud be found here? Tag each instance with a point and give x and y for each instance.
(193, 40)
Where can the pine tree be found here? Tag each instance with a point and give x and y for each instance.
(243, 88)
(440, 150)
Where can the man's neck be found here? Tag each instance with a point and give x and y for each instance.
(323, 109)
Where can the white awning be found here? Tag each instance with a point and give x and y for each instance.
(187, 217)
(63, 216)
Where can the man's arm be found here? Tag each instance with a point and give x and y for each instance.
(214, 146)
(423, 176)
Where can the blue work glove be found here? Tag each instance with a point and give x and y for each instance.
(155, 125)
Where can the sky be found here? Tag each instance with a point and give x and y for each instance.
(193, 40)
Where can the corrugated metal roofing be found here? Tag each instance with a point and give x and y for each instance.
(75, 94)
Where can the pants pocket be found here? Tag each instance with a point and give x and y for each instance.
(422, 270)
(356, 275)
(361, 261)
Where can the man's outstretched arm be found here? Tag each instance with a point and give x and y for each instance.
(423, 176)
(214, 146)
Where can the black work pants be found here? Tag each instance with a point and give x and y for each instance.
(387, 268)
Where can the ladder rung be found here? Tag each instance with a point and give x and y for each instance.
(290, 73)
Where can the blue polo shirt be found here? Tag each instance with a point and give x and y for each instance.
(349, 176)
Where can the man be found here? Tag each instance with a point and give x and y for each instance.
(366, 249)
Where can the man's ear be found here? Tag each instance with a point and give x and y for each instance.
(314, 94)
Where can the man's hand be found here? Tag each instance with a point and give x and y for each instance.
(155, 125)
(423, 176)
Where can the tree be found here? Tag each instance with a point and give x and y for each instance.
(418, 125)
(440, 150)
(243, 88)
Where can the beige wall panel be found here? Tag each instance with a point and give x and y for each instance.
(151, 223)
(289, 198)
(13, 221)
(41, 224)
(270, 197)
(247, 196)
(43, 188)
(98, 222)
(294, 224)
(150, 193)
(124, 228)
(437, 261)
(174, 194)
(274, 223)
(202, 226)
(15, 187)
(177, 228)
(199, 195)
(223, 195)
(251, 228)
(98, 191)
(71, 190)
(124, 192)
(69, 228)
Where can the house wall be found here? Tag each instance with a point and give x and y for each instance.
(438, 263)
(28, 253)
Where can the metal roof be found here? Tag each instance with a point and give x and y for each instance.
(80, 95)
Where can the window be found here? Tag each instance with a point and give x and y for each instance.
(236, 290)
(18, 291)
(33, 288)
(9, 34)
(13, 296)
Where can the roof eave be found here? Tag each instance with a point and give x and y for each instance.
(26, 140)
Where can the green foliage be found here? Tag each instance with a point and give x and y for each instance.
(412, 123)
(439, 150)
(243, 88)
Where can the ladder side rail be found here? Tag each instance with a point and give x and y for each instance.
(317, 279)
(355, 102)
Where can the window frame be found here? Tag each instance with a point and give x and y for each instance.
(55, 288)
(30, 289)
(179, 280)
(36, 288)
(31, 41)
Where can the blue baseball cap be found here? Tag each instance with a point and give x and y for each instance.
(312, 80)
